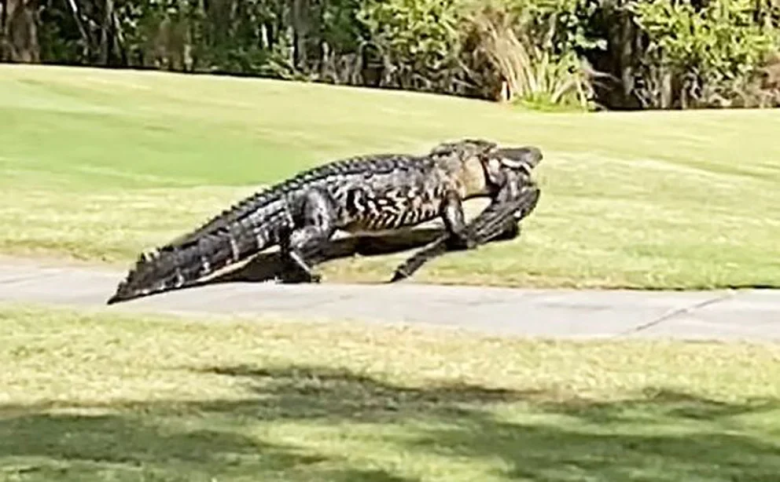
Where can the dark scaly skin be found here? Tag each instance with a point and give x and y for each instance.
(363, 193)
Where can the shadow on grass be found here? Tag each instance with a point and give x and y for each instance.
(158, 441)
(658, 435)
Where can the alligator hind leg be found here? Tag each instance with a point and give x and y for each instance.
(314, 220)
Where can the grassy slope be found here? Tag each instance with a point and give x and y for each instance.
(104, 397)
(97, 165)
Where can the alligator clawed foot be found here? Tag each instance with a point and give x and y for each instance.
(299, 277)
(399, 275)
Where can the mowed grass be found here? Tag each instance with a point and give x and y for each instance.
(99, 165)
(101, 396)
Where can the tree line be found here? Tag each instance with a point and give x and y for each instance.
(613, 54)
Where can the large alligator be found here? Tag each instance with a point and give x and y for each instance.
(368, 193)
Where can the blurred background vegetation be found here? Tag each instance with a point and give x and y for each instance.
(546, 54)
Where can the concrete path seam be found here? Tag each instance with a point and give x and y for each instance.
(677, 312)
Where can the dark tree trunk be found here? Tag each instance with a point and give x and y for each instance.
(3, 28)
(219, 21)
(306, 16)
(300, 25)
(20, 31)
(75, 12)
(106, 32)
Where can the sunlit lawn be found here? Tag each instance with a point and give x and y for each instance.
(101, 396)
(98, 165)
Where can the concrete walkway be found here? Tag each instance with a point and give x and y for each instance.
(559, 313)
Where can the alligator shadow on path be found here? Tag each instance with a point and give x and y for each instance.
(282, 425)
(267, 266)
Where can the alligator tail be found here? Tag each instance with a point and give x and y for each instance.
(182, 264)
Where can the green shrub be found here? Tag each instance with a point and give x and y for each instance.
(710, 54)
(658, 53)
(531, 50)
(418, 39)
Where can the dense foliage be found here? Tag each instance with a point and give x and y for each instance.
(612, 53)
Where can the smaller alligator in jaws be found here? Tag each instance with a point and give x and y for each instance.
(370, 193)
(500, 220)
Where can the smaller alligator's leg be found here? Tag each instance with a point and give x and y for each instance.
(314, 221)
(501, 220)
(511, 231)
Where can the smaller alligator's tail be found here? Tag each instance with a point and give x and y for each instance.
(178, 265)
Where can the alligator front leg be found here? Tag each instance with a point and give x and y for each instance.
(458, 235)
(314, 225)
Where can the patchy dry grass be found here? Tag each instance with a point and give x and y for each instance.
(98, 165)
(100, 396)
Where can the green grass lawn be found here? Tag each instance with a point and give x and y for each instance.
(99, 396)
(98, 165)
